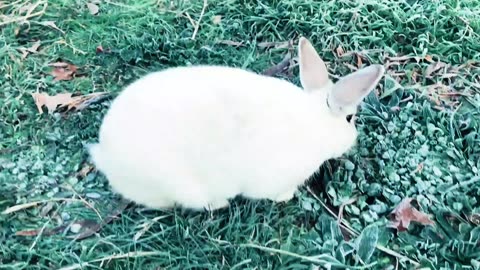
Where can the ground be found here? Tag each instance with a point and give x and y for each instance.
(419, 136)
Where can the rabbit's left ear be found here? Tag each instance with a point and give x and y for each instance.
(349, 91)
(313, 71)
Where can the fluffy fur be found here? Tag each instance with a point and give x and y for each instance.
(198, 136)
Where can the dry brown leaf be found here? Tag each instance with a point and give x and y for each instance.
(434, 67)
(217, 19)
(340, 51)
(475, 218)
(94, 9)
(52, 25)
(63, 71)
(277, 45)
(284, 65)
(51, 102)
(27, 233)
(429, 58)
(85, 170)
(65, 100)
(46, 232)
(31, 49)
(359, 61)
(405, 213)
(81, 102)
(231, 43)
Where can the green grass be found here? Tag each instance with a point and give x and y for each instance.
(409, 125)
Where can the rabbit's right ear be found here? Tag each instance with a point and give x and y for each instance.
(313, 71)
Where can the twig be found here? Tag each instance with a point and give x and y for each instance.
(197, 25)
(29, 14)
(192, 22)
(19, 207)
(38, 235)
(343, 223)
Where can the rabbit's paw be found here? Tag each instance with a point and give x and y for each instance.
(217, 205)
(285, 197)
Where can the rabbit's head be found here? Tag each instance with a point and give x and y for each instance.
(343, 97)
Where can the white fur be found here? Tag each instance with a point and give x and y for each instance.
(198, 136)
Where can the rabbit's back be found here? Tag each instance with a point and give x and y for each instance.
(196, 134)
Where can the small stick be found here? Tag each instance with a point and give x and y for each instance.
(197, 25)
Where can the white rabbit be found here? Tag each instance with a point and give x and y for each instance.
(198, 136)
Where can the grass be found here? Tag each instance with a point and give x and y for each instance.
(419, 137)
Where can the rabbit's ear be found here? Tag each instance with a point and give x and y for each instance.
(349, 91)
(313, 71)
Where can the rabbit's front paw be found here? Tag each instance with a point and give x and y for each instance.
(217, 205)
(284, 197)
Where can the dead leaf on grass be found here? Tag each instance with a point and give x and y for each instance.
(475, 218)
(90, 227)
(217, 19)
(283, 65)
(434, 67)
(51, 102)
(359, 61)
(231, 43)
(405, 213)
(52, 25)
(81, 102)
(65, 100)
(93, 8)
(277, 45)
(340, 51)
(63, 71)
(85, 170)
(31, 49)
(429, 58)
(46, 232)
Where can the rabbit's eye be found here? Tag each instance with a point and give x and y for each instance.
(349, 118)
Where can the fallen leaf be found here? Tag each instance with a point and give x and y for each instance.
(52, 25)
(46, 232)
(31, 49)
(27, 232)
(429, 58)
(85, 170)
(63, 71)
(280, 67)
(65, 100)
(34, 47)
(277, 45)
(405, 213)
(231, 43)
(359, 61)
(81, 102)
(475, 218)
(434, 67)
(94, 9)
(51, 102)
(340, 51)
(217, 19)
(46, 209)
(91, 227)
(283, 65)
